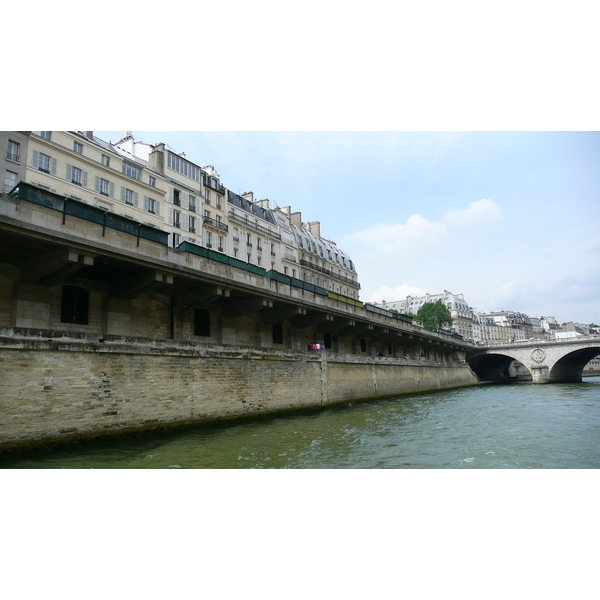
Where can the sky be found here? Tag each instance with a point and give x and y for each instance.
(509, 219)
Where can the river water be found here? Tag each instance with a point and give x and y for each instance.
(515, 426)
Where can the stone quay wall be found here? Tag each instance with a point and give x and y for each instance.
(60, 391)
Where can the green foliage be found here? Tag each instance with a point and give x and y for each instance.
(434, 315)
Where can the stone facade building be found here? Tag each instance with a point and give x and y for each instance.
(156, 186)
(462, 314)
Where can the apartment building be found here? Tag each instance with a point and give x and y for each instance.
(195, 199)
(254, 232)
(80, 166)
(462, 315)
(154, 185)
(321, 262)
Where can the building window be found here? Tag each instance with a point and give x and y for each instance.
(74, 305)
(128, 196)
(192, 222)
(45, 134)
(219, 205)
(176, 218)
(220, 244)
(12, 151)
(132, 170)
(202, 322)
(105, 160)
(207, 196)
(44, 163)
(105, 187)
(76, 175)
(152, 180)
(192, 203)
(363, 345)
(152, 206)
(176, 197)
(10, 181)
(77, 147)
(235, 252)
(208, 240)
(176, 240)
(277, 333)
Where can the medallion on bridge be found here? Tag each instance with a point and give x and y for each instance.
(538, 355)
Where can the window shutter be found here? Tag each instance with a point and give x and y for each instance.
(111, 185)
(122, 194)
(184, 200)
(53, 166)
(146, 203)
(169, 196)
(85, 176)
(171, 211)
(97, 184)
(157, 207)
(135, 199)
(69, 172)
(36, 159)
(185, 221)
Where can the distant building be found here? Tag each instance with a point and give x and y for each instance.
(462, 314)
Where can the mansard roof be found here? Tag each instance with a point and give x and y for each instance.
(250, 207)
(309, 238)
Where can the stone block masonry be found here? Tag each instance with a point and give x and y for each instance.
(60, 391)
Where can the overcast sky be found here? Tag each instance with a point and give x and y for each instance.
(511, 220)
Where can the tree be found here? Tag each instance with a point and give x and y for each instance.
(434, 315)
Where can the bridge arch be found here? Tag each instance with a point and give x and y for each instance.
(493, 366)
(569, 368)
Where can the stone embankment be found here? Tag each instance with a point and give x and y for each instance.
(59, 390)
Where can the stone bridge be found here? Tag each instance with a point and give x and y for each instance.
(547, 361)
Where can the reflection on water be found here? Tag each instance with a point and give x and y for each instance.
(553, 426)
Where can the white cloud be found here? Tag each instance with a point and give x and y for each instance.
(417, 233)
(421, 234)
(480, 213)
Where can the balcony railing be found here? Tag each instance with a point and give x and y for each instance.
(12, 156)
(330, 273)
(216, 224)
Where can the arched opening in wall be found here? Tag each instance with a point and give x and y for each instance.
(570, 367)
(496, 368)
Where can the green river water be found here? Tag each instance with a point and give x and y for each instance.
(517, 426)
